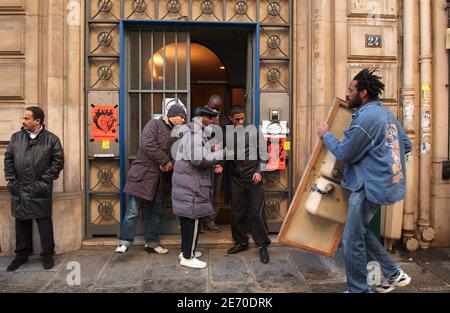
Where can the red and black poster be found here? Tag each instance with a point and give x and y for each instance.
(104, 122)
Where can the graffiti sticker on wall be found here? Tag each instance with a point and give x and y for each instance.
(392, 142)
(104, 124)
(426, 144)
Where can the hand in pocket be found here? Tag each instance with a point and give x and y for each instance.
(12, 187)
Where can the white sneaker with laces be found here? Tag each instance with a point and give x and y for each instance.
(193, 263)
(121, 249)
(400, 280)
(197, 255)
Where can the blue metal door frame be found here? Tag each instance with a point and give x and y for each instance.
(126, 24)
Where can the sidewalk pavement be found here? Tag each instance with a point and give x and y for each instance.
(290, 271)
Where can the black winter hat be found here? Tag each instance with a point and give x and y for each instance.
(176, 110)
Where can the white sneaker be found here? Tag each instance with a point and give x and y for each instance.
(400, 280)
(197, 255)
(157, 250)
(193, 263)
(121, 249)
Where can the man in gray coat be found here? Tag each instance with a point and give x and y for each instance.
(148, 181)
(192, 183)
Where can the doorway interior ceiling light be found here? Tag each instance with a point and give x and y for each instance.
(205, 65)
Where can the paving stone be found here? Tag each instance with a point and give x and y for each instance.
(421, 255)
(399, 255)
(329, 287)
(438, 268)
(229, 268)
(124, 269)
(421, 278)
(165, 260)
(311, 266)
(445, 251)
(99, 289)
(91, 261)
(233, 288)
(4, 262)
(278, 274)
(175, 279)
(407, 289)
(4, 276)
(336, 264)
(60, 285)
(26, 282)
(445, 290)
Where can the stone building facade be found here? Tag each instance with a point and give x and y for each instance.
(70, 55)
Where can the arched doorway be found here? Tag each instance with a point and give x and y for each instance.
(208, 75)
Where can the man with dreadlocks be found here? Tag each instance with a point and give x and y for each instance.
(373, 151)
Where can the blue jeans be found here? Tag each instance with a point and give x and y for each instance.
(152, 215)
(358, 241)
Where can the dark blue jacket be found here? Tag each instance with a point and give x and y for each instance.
(373, 151)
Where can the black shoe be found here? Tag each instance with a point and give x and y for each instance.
(264, 255)
(238, 248)
(48, 263)
(16, 263)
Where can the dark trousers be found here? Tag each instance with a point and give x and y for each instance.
(189, 236)
(247, 209)
(24, 237)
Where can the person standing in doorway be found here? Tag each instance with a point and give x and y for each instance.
(219, 123)
(247, 190)
(33, 160)
(147, 183)
(192, 183)
(373, 151)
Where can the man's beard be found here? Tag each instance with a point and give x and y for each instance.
(355, 103)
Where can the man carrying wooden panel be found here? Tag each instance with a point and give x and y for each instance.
(373, 151)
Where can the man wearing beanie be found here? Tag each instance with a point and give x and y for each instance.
(149, 181)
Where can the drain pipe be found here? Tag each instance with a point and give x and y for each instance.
(409, 108)
(426, 233)
(448, 75)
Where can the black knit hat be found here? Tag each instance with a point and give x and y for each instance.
(176, 110)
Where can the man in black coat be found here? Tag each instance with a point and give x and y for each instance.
(33, 160)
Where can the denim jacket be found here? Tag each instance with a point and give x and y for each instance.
(373, 151)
